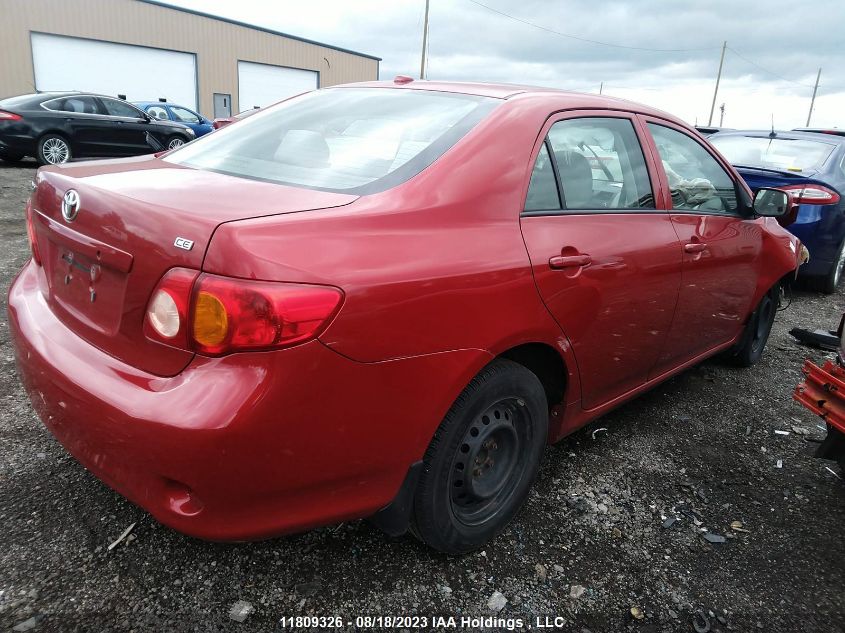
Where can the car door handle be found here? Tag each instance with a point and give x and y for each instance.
(570, 261)
(695, 247)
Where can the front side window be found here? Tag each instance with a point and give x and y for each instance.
(600, 164)
(119, 108)
(356, 140)
(157, 112)
(183, 115)
(696, 179)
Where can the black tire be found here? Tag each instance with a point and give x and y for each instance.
(176, 141)
(829, 282)
(751, 344)
(11, 157)
(483, 459)
(53, 149)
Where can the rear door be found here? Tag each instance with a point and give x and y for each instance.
(604, 253)
(721, 246)
(84, 117)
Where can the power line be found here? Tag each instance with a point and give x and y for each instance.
(766, 70)
(584, 39)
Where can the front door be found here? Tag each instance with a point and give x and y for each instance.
(222, 105)
(129, 128)
(721, 246)
(604, 253)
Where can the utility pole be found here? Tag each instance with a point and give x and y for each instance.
(813, 100)
(718, 77)
(722, 116)
(601, 87)
(425, 41)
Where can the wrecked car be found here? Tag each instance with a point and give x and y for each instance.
(382, 300)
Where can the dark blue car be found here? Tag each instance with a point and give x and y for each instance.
(811, 166)
(180, 114)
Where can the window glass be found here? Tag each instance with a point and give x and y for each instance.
(601, 164)
(785, 154)
(157, 112)
(542, 191)
(340, 139)
(183, 115)
(696, 180)
(120, 108)
(85, 105)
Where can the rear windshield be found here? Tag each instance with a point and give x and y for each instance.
(783, 154)
(355, 140)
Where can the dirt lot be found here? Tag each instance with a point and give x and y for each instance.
(700, 447)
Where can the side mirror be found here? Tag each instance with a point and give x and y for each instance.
(772, 203)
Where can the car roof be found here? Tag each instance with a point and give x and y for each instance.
(567, 99)
(791, 135)
(161, 103)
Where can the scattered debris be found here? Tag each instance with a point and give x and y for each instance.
(779, 464)
(121, 537)
(747, 430)
(617, 533)
(800, 430)
(820, 339)
(497, 602)
(240, 611)
(600, 430)
(780, 432)
(41, 455)
(832, 472)
(558, 568)
(700, 622)
(669, 522)
(576, 591)
(736, 526)
(27, 625)
(542, 572)
(637, 613)
(446, 590)
(711, 537)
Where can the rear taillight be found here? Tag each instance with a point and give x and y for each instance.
(30, 233)
(167, 313)
(9, 116)
(812, 194)
(216, 315)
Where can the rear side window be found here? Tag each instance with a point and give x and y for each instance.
(696, 179)
(542, 191)
(600, 164)
(356, 140)
(84, 105)
(157, 112)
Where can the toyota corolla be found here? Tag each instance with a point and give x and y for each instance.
(382, 300)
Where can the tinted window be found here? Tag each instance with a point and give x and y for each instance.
(696, 180)
(183, 115)
(542, 191)
(600, 164)
(341, 139)
(119, 108)
(786, 154)
(157, 112)
(85, 105)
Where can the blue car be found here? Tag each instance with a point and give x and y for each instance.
(811, 166)
(180, 114)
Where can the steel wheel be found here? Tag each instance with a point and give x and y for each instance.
(55, 150)
(488, 464)
(175, 142)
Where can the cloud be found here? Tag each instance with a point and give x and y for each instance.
(770, 66)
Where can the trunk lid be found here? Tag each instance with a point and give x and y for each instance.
(102, 266)
(758, 178)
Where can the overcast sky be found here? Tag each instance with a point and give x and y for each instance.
(775, 48)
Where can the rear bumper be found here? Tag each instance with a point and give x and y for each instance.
(822, 242)
(241, 447)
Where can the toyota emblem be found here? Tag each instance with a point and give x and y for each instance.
(70, 205)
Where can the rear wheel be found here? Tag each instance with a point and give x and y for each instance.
(53, 149)
(757, 330)
(483, 459)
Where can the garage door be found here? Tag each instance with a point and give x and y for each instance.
(140, 73)
(260, 85)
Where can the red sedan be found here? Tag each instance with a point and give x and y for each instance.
(382, 300)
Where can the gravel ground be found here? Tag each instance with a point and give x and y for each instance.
(591, 544)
